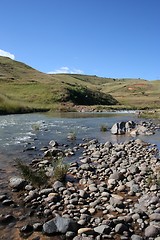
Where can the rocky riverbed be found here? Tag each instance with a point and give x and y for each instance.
(112, 191)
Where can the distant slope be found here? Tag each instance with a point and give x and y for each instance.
(22, 86)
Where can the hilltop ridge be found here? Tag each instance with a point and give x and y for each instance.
(30, 89)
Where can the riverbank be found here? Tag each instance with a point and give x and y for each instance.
(8, 107)
(111, 192)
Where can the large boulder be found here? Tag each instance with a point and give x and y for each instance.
(122, 127)
(60, 225)
(118, 128)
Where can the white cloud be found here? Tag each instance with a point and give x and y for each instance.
(66, 70)
(6, 54)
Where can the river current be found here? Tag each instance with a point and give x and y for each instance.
(21, 132)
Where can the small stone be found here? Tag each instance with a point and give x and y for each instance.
(120, 228)
(26, 229)
(87, 231)
(102, 229)
(70, 235)
(116, 175)
(136, 237)
(37, 227)
(57, 185)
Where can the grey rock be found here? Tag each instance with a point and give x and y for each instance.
(32, 194)
(92, 188)
(118, 128)
(7, 202)
(53, 143)
(151, 231)
(136, 237)
(17, 183)
(116, 202)
(135, 188)
(86, 166)
(82, 238)
(102, 229)
(155, 216)
(53, 152)
(57, 185)
(26, 229)
(50, 227)
(7, 219)
(70, 235)
(116, 175)
(63, 225)
(120, 228)
(154, 200)
(46, 191)
(37, 227)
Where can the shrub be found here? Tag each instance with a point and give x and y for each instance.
(60, 170)
(103, 128)
(36, 178)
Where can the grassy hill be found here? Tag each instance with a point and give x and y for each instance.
(24, 89)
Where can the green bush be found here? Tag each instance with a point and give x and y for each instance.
(103, 128)
(36, 178)
(60, 170)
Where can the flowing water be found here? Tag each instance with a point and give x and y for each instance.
(21, 132)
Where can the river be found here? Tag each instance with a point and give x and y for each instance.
(21, 132)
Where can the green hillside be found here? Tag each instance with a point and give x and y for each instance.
(24, 89)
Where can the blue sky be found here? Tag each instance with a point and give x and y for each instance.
(108, 38)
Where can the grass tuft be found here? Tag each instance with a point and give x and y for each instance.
(103, 128)
(36, 178)
(60, 170)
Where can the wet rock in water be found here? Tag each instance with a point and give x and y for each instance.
(53, 143)
(17, 183)
(53, 152)
(118, 128)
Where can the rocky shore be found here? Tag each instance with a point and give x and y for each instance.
(112, 191)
